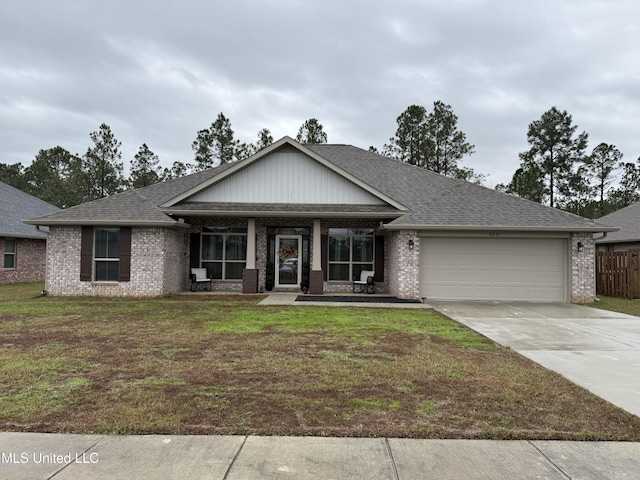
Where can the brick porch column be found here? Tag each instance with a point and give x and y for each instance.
(316, 276)
(250, 273)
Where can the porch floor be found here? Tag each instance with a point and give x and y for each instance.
(278, 298)
(289, 298)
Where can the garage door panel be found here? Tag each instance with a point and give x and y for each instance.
(493, 269)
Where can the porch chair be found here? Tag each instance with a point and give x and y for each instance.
(199, 275)
(365, 283)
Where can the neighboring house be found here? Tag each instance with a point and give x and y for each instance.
(627, 219)
(22, 247)
(318, 215)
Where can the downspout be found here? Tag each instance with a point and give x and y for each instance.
(604, 235)
(46, 264)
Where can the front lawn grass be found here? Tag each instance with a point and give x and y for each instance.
(218, 364)
(622, 305)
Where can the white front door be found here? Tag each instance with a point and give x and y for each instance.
(288, 261)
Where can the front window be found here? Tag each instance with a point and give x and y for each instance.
(9, 253)
(224, 252)
(106, 254)
(350, 252)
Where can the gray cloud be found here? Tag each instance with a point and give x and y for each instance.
(157, 72)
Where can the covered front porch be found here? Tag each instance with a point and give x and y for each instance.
(281, 254)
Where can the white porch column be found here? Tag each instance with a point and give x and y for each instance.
(316, 261)
(251, 244)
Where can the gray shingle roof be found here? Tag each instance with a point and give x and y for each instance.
(15, 206)
(628, 220)
(133, 207)
(438, 201)
(433, 200)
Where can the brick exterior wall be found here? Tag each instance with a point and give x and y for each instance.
(30, 261)
(159, 264)
(160, 261)
(176, 261)
(403, 264)
(160, 258)
(583, 268)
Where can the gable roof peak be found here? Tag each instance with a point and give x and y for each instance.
(235, 167)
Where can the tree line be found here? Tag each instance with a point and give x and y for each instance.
(556, 170)
(64, 179)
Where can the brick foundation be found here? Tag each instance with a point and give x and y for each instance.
(316, 282)
(250, 280)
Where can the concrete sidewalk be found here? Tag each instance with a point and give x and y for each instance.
(61, 457)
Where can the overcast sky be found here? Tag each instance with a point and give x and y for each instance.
(158, 71)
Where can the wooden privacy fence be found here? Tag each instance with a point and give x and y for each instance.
(618, 274)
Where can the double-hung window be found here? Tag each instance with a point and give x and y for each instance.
(9, 253)
(350, 252)
(224, 252)
(106, 254)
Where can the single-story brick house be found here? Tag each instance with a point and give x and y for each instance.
(317, 215)
(627, 219)
(22, 247)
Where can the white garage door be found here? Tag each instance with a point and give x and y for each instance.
(493, 269)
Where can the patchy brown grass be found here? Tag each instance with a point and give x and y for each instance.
(223, 365)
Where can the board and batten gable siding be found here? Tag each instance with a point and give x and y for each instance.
(287, 176)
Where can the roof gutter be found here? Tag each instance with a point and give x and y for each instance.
(180, 223)
(22, 235)
(624, 240)
(499, 228)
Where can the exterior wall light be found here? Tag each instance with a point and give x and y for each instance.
(580, 246)
(411, 244)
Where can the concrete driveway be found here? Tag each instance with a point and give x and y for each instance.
(594, 348)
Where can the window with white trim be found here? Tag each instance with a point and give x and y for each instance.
(224, 252)
(106, 254)
(10, 253)
(351, 250)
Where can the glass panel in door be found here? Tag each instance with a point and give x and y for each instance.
(289, 264)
